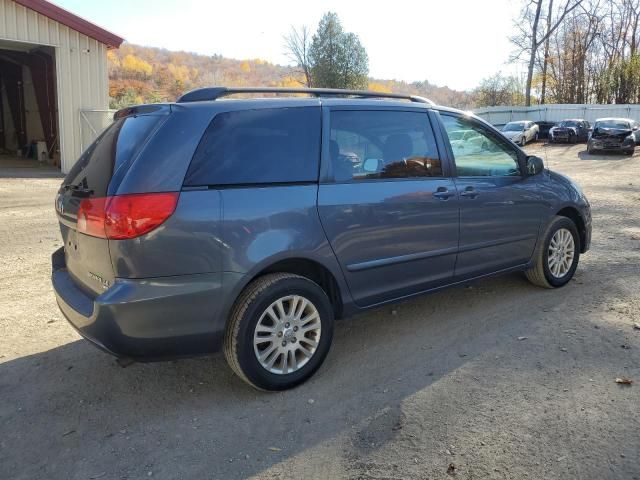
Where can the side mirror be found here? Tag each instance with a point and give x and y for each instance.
(535, 165)
(370, 165)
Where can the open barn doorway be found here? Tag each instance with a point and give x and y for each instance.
(29, 126)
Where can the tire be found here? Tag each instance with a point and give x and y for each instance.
(540, 273)
(251, 308)
(573, 139)
(523, 141)
(630, 152)
(535, 139)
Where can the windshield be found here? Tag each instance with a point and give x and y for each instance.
(568, 123)
(619, 124)
(513, 127)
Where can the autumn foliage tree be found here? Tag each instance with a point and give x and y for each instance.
(150, 75)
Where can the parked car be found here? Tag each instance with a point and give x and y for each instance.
(571, 131)
(543, 128)
(247, 225)
(614, 134)
(521, 132)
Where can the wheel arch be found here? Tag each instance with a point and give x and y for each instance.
(314, 271)
(310, 268)
(573, 214)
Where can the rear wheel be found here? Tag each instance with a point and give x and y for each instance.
(556, 258)
(279, 331)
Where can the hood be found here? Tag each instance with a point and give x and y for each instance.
(564, 129)
(511, 135)
(617, 133)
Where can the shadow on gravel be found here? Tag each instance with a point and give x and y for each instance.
(584, 155)
(71, 412)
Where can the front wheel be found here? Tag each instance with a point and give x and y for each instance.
(279, 331)
(556, 258)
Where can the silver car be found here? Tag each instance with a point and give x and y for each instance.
(521, 132)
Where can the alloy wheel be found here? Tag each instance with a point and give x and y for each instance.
(287, 334)
(561, 253)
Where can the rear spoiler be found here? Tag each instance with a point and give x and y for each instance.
(142, 110)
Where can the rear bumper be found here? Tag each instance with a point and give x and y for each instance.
(146, 319)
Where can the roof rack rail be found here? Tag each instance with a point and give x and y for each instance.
(213, 93)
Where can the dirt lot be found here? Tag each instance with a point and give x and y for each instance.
(405, 392)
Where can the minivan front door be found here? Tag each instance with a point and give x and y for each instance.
(388, 205)
(500, 207)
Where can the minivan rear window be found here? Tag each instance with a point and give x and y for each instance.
(118, 144)
(279, 145)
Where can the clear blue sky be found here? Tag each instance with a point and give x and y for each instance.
(454, 42)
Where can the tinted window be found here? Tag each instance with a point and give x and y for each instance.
(118, 144)
(481, 155)
(258, 146)
(382, 144)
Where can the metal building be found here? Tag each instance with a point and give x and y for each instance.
(53, 64)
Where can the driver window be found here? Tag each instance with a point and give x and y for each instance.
(476, 153)
(367, 145)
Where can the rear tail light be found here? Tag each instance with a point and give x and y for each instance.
(125, 216)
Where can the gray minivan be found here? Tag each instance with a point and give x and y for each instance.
(251, 224)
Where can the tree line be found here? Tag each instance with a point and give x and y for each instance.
(576, 51)
(329, 57)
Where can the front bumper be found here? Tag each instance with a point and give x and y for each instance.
(586, 240)
(611, 146)
(145, 319)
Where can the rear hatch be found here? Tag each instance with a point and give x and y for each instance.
(92, 179)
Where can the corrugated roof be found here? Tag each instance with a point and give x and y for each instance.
(73, 21)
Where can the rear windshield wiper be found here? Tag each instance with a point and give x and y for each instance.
(78, 190)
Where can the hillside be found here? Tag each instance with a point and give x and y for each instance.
(145, 75)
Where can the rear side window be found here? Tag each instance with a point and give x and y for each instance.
(118, 144)
(366, 145)
(280, 145)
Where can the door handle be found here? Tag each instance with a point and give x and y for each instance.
(443, 193)
(469, 192)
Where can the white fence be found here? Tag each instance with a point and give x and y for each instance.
(556, 113)
(92, 123)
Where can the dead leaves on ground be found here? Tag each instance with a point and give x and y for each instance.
(623, 381)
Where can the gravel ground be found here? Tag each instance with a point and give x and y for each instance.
(499, 379)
